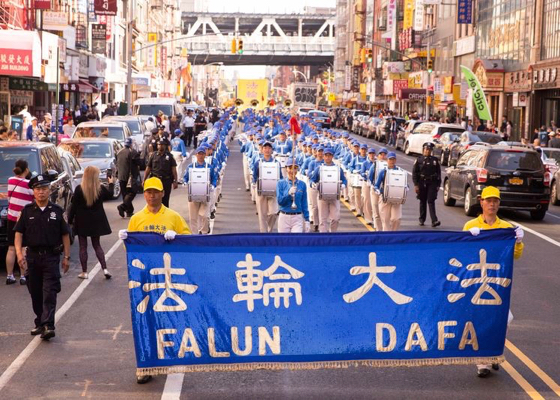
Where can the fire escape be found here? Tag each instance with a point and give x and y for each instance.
(13, 14)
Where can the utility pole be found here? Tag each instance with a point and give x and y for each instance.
(428, 11)
(57, 95)
(128, 13)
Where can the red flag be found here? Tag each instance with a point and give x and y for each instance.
(294, 126)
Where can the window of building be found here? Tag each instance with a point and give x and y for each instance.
(551, 30)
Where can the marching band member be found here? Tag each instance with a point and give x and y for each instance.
(198, 210)
(356, 166)
(282, 148)
(354, 151)
(373, 173)
(366, 192)
(291, 191)
(329, 210)
(267, 206)
(391, 213)
(247, 149)
(313, 192)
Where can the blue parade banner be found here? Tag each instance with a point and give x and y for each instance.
(249, 301)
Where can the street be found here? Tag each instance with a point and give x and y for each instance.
(92, 355)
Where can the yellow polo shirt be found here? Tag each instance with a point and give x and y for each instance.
(480, 223)
(165, 220)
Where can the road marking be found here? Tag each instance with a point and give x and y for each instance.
(86, 388)
(542, 236)
(552, 215)
(530, 390)
(115, 331)
(534, 367)
(24, 355)
(173, 387)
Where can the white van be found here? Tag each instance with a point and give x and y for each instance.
(152, 105)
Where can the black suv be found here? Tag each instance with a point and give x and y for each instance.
(517, 171)
(41, 157)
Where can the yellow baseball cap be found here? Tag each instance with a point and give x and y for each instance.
(490, 191)
(153, 183)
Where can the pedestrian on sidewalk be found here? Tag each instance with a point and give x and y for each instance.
(88, 217)
(42, 229)
(128, 166)
(187, 125)
(19, 195)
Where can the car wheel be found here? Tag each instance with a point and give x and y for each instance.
(116, 189)
(554, 194)
(447, 199)
(538, 215)
(470, 207)
(407, 148)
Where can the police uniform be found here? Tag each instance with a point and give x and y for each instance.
(161, 166)
(426, 175)
(42, 231)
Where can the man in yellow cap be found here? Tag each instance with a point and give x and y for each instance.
(157, 218)
(490, 204)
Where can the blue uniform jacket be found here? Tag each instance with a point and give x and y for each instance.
(213, 175)
(316, 176)
(285, 200)
(178, 144)
(256, 168)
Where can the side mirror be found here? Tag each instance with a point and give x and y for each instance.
(52, 174)
(79, 174)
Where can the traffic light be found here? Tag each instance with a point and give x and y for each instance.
(362, 56)
(430, 66)
(370, 55)
(240, 46)
(233, 46)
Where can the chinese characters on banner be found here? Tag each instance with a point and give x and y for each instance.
(42, 4)
(408, 14)
(419, 16)
(16, 62)
(98, 38)
(391, 19)
(105, 7)
(464, 11)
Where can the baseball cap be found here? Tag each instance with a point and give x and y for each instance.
(391, 155)
(290, 162)
(328, 150)
(153, 183)
(371, 150)
(363, 146)
(201, 149)
(490, 191)
(267, 144)
(128, 142)
(383, 150)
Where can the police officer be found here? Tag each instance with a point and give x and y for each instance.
(426, 175)
(43, 230)
(163, 166)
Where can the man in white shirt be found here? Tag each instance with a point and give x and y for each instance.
(187, 125)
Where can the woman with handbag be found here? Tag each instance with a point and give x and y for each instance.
(19, 195)
(88, 217)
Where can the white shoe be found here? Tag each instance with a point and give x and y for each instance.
(107, 274)
(83, 275)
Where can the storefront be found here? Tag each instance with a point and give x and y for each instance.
(490, 74)
(517, 89)
(546, 88)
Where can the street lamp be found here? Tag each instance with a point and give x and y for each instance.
(299, 72)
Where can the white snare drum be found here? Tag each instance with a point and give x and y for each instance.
(329, 183)
(282, 159)
(395, 186)
(199, 185)
(269, 174)
(356, 180)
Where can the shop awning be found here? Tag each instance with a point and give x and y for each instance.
(86, 87)
(444, 104)
(20, 53)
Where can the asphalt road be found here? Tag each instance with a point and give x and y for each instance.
(93, 355)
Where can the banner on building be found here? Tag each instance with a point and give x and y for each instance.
(253, 89)
(464, 11)
(298, 301)
(99, 38)
(408, 21)
(419, 15)
(478, 96)
(42, 4)
(105, 7)
(16, 62)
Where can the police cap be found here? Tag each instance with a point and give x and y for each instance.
(428, 145)
(164, 142)
(39, 181)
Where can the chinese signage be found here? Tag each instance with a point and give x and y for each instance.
(488, 79)
(416, 80)
(55, 20)
(406, 39)
(399, 84)
(391, 19)
(355, 79)
(98, 38)
(419, 16)
(263, 302)
(16, 62)
(464, 11)
(408, 14)
(518, 81)
(545, 78)
(447, 84)
(105, 7)
(27, 84)
(42, 4)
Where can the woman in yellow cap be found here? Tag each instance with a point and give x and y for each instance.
(490, 204)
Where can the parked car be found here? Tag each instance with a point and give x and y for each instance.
(153, 105)
(382, 134)
(320, 117)
(442, 146)
(135, 124)
(364, 123)
(427, 132)
(100, 152)
(517, 171)
(468, 139)
(555, 189)
(115, 130)
(72, 167)
(403, 134)
(550, 157)
(372, 127)
(42, 158)
(356, 123)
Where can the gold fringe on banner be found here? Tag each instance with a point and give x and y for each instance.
(294, 366)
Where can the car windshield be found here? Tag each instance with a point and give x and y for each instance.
(511, 160)
(553, 154)
(88, 150)
(490, 138)
(361, 113)
(9, 156)
(133, 125)
(316, 114)
(113, 132)
(154, 109)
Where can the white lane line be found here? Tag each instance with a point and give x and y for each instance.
(542, 236)
(552, 215)
(173, 387)
(24, 355)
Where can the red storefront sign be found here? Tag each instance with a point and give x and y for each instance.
(399, 84)
(16, 62)
(105, 7)
(42, 4)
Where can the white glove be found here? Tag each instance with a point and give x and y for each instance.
(123, 234)
(292, 191)
(475, 231)
(355, 171)
(519, 234)
(170, 235)
(377, 192)
(307, 227)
